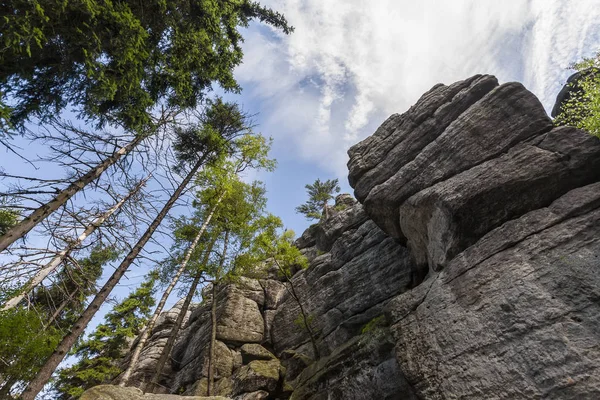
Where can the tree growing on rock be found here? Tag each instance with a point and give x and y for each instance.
(273, 249)
(582, 108)
(319, 195)
(221, 186)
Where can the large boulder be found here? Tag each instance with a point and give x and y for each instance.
(400, 139)
(239, 321)
(446, 218)
(504, 117)
(110, 392)
(257, 375)
(514, 316)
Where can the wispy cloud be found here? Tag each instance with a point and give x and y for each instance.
(351, 63)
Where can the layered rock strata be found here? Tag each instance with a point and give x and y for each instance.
(470, 268)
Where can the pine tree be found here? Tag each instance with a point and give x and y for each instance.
(115, 61)
(213, 146)
(100, 354)
(28, 335)
(319, 194)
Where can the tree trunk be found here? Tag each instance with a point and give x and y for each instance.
(28, 223)
(5, 390)
(60, 257)
(148, 330)
(164, 356)
(213, 320)
(62, 306)
(42, 377)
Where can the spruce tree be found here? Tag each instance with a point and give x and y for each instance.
(100, 354)
(319, 194)
(29, 334)
(115, 61)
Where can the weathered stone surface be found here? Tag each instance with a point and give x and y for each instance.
(329, 230)
(273, 293)
(239, 321)
(110, 392)
(308, 238)
(294, 363)
(222, 387)
(251, 289)
(150, 354)
(368, 371)
(446, 218)
(516, 315)
(253, 351)
(400, 139)
(504, 117)
(257, 375)
(198, 366)
(341, 289)
(258, 395)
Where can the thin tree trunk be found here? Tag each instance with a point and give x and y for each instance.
(148, 330)
(60, 257)
(44, 374)
(292, 290)
(5, 390)
(166, 351)
(60, 308)
(28, 223)
(213, 319)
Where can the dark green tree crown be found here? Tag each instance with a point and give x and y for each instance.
(319, 194)
(115, 61)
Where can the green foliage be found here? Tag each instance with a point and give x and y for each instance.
(375, 323)
(8, 219)
(25, 343)
(116, 61)
(582, 109)
(72, 285)
(302, 323)
(29, 335)
(100, 353)
(319, 194)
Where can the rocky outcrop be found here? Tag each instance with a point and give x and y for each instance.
(469, 268)
(151, 353)
(109, 392)
(514, 316)
(501, 210)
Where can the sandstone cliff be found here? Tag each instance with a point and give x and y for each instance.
(469, 268)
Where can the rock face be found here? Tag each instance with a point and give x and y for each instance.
(502, 211)
(468, 268)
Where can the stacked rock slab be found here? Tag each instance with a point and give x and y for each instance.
(502, 210)
(357, 270)
(152, 351)
(470, 269)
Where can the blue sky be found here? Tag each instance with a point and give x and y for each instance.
(352, 63)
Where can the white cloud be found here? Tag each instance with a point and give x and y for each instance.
(351, 63)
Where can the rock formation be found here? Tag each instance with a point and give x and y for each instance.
(470, 269)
